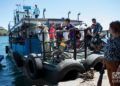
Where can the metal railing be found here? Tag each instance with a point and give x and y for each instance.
(57, 41)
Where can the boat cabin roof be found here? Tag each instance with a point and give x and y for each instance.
(43, 21)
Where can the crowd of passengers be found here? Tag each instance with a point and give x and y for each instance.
(67, 34)
(111, 59)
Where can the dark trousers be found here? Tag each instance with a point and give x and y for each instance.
(36, 16)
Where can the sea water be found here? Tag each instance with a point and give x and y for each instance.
(10, 75)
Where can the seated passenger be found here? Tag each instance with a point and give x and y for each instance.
(96, 41)
(97, 28)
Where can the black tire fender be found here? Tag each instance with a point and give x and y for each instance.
(69, 69)
(92, 61)
(34, 66)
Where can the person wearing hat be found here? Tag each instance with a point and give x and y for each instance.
(37, 28)
(42, 29)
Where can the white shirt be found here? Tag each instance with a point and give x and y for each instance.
(46, 35)
(37, 30)
(65, 35)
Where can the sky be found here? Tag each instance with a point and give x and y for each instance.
(105, 11)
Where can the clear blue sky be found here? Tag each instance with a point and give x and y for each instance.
(104, 11)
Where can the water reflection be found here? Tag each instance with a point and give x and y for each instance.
(18, 78)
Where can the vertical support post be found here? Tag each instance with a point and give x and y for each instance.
(30, 42)
(74, 44)
(57, 41)
(43, 51)
(85, 42)
(10, 36)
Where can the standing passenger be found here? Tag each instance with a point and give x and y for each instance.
(52, 34)
(69, 33)
(36, 11)
(44, 30)
(67, 28)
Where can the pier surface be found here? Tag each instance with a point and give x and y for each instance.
(90, 82)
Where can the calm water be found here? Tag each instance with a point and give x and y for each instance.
(9, 74)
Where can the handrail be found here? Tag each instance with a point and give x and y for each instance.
(74, 44)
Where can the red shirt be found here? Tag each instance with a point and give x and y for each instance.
(52, 32)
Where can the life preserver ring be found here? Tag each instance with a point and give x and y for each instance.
(34, 66)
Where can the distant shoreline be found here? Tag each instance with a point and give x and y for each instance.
(3, 32)
(3, 35)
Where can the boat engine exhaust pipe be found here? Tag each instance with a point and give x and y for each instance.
(69, 14)
(44, 10)
(78, 15)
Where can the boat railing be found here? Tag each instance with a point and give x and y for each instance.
(65, 43)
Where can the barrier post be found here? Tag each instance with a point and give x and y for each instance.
(43, 50)
(85, 42)
(74, 44)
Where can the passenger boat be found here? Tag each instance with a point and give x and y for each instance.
(29, 52)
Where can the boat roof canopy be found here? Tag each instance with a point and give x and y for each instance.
(45, 21)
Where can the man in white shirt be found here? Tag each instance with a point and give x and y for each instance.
(36, 11)
(67, 28)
